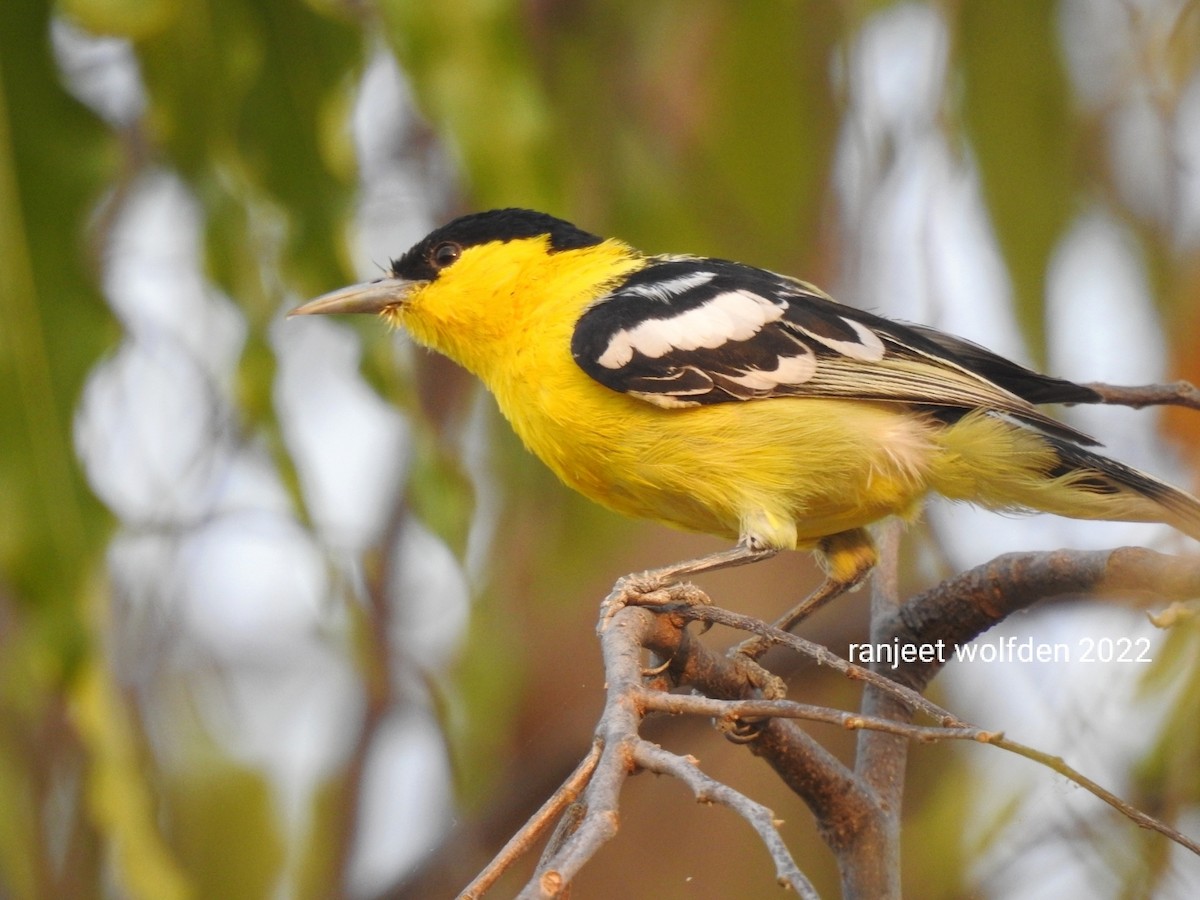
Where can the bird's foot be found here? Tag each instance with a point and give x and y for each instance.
(744, 729)
(648, 589)
(665, 587)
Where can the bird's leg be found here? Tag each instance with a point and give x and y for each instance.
(745, 730)
(740, 555)
(660, 587)
(829, 589)
(849, 558)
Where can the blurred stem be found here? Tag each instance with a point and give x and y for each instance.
(119, 800)
(379, 679)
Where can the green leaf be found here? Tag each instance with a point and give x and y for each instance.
(54, 159)
(475, 76)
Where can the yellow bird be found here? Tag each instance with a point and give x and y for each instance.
(722, 398)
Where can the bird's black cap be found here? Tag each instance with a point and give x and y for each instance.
(483, 228)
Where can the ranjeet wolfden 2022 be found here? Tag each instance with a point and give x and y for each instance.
(1004, 649)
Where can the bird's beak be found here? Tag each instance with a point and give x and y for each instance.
(372, 297)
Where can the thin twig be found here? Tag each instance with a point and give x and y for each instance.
(693, 704)
(595, 827)
(1178, 393)
(653, 758)
(825, 784)
(539, 823)
(1059, 765)
(822, 656)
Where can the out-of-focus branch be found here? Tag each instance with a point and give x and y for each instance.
(379, 678)
(961, 608)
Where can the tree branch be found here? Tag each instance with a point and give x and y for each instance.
(819, 654)
(857, 811)
(623, 752)
(653, 758)
(1178, 393)
(539, 823)
(961, 608)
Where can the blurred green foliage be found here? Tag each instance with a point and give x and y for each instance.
(687, 125)
(54, 160)
(1018, 110)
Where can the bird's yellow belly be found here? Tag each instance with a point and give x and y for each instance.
(783, 471)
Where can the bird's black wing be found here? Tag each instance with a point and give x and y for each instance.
(687, 331)
(1033, 386)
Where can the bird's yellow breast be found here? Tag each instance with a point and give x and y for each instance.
(785, 470)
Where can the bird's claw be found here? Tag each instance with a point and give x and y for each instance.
(744, 729)
(643, 589)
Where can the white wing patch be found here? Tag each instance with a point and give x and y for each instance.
(665, 401)
(869, 347)
(665, 291)
(788, 370)
(731, 316)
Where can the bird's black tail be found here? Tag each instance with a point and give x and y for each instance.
(1121, 492)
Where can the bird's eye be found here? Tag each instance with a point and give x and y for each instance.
(444, 254)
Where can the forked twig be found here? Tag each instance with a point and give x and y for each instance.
(654, 758)
(539, 823)
(625, 751)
